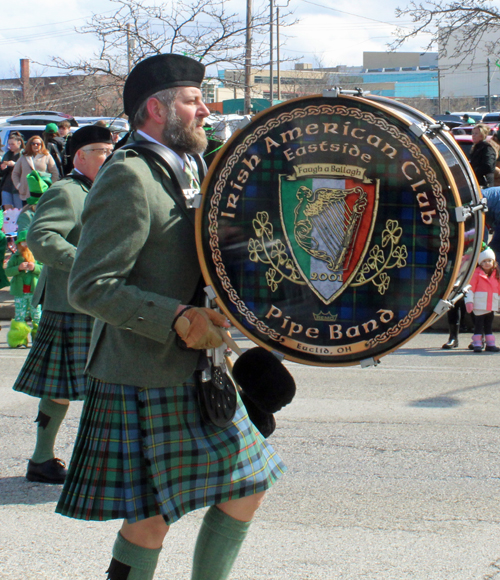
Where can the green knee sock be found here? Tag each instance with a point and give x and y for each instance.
(131, 561)
(218, 545)
(50, 417)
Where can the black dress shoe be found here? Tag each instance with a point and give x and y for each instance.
(51, 471)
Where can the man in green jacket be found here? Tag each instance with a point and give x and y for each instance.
(54, 368)
(143, 452)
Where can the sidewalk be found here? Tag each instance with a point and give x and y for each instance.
(6, 305)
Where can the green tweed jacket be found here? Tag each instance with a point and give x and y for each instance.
(53, 236)
(135, 263)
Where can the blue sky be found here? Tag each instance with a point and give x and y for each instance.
(328, 32)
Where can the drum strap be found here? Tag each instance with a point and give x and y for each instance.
(169, 161)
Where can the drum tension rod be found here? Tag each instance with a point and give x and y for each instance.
(464, 212)
(337, 91)
(421, 129)
(444, 305)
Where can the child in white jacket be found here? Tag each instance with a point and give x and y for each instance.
(482, 299)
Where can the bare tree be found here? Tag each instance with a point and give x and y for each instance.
(203, 29)
(471, 24)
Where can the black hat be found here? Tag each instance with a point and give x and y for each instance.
(157, 73)
(88, 135)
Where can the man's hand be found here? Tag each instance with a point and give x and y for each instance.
(197, 328)
(469, 306)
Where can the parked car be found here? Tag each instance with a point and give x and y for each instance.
(478, 117)
(467, 129)
(26, 131)
(465, 143)
(465, 140)
(41, 118)
(115, 121)
(491, 118)
(449, 120)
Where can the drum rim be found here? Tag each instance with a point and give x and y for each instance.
(208, 278)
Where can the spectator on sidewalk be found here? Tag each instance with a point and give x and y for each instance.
(35, 156)
(10, 195)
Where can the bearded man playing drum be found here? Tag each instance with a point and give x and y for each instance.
(143, 452)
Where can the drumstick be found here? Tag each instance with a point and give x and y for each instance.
(228, 339)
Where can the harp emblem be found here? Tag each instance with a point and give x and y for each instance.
(328, 225)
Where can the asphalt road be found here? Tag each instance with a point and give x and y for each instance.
(393, 473)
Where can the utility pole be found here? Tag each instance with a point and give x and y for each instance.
(248, 60)
(439, 91)
(130, 46)
(271, 75)
(488, 84)
(278, 51)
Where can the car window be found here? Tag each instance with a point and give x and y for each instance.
(25, 132)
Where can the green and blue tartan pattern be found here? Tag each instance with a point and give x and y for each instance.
(144, 452)
(54, 367)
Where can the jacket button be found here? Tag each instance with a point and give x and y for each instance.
(140, 318)
(150, 303)
(128, 328)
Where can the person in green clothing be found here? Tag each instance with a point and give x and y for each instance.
(4, 281)
(54, 369)
(37, 185)
(24, 271)
(144, 453)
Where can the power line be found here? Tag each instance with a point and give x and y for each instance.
(351, 14)
(10, 29)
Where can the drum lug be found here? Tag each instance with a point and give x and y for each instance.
(244, 122)
(464, 212)
(417, 130)
(210, 292)
(369, 362)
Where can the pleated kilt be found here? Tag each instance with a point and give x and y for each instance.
(54, 367)
(145, 452)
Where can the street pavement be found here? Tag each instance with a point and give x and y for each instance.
(393, 474)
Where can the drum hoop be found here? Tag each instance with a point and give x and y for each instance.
(384, 337)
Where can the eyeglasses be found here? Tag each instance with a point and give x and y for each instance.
(104, 150)
(36, 144)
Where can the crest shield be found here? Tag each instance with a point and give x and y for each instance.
(328, 223)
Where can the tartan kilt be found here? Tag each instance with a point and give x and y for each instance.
(54, 367)
(146, 452)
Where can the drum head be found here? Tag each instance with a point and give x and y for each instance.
(327, 230)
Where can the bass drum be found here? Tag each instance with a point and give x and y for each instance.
(328, 227)
(464, 179)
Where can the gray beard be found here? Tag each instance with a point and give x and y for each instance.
(184, 139)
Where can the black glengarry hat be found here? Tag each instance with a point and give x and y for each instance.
(157, 73)
(88, 135)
